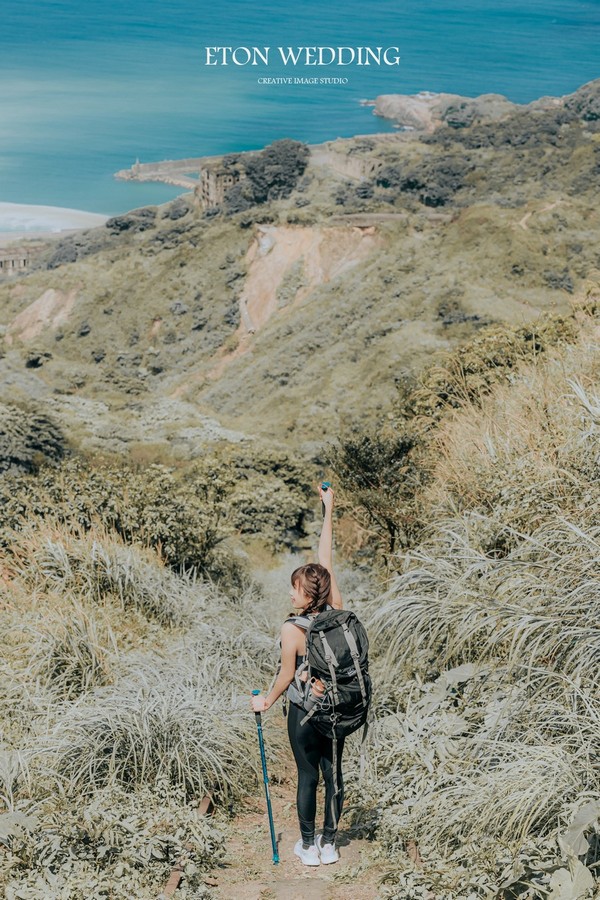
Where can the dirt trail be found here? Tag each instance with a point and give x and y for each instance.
(523, 222)
(248, 873)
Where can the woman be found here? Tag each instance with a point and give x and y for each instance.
(313, 589)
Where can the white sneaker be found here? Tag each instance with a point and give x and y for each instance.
(310, 856)
(327, 852)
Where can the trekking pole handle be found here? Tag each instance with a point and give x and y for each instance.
(255, 693)
(324, 486)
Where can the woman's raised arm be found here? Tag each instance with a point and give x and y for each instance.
(325, 552)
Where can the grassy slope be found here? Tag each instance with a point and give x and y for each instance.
(124, 701)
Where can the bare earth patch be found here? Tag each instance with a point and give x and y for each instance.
(50, 310)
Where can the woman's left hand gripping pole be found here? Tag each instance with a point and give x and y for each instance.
(263, 760)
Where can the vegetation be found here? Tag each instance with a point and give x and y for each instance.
(28, 437)
(483, 750)
(133, 521)
(190, 515)
(385, 473)
(270, 174)
(122, 685)
(145, 344)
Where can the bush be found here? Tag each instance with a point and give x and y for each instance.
(175, 727)
(467, 374)
(28, 438)
(117, 844)
(97, 566)
(380, 476)
(73, 655)
(483, 752)
(183, 521)
(271, 174)
(189, 516)
(434, 181)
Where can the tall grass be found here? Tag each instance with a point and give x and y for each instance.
(97, 567)
(182, 716)
(538, 605)
(188, 731)
(126, 688)
(485, 746)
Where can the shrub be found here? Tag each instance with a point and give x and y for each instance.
(73, 655)
(117, 844)
(484, 749)
(175, 729)
(28, 438)
(434, 181)
(96, 566)
(467, 374)
(187, 515)
(275, 171)
(380, 476)
(270, 174)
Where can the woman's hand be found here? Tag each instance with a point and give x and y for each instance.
(327, 496)
(259, 703)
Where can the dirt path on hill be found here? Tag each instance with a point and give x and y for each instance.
(247, 871)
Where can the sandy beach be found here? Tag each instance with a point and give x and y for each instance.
(20, 220)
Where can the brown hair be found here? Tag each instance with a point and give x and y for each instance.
(315, 581)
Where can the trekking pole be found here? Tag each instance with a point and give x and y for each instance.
(324, 486)
(263, 759)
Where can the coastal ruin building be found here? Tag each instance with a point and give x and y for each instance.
(18, 259)
(216, 178)
(14, 261)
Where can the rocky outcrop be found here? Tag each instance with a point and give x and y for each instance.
(585, 102)
(426, 111)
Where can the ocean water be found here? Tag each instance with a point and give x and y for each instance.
(88, 88)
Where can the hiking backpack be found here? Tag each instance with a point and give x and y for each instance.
(337, 649)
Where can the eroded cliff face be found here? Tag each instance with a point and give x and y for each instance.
(50, 311)
(304, 257)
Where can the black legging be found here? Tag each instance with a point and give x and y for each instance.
(311, 750)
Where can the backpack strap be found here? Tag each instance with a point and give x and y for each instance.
(331, 662)
(303, 622)
(336, 787)
(351, 641)
(362, 752)
(296, 689)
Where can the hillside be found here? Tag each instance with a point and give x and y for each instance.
(389, 249)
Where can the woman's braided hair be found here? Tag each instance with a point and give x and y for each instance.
(315, 581)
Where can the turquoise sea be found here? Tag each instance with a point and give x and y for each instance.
(89, 87)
